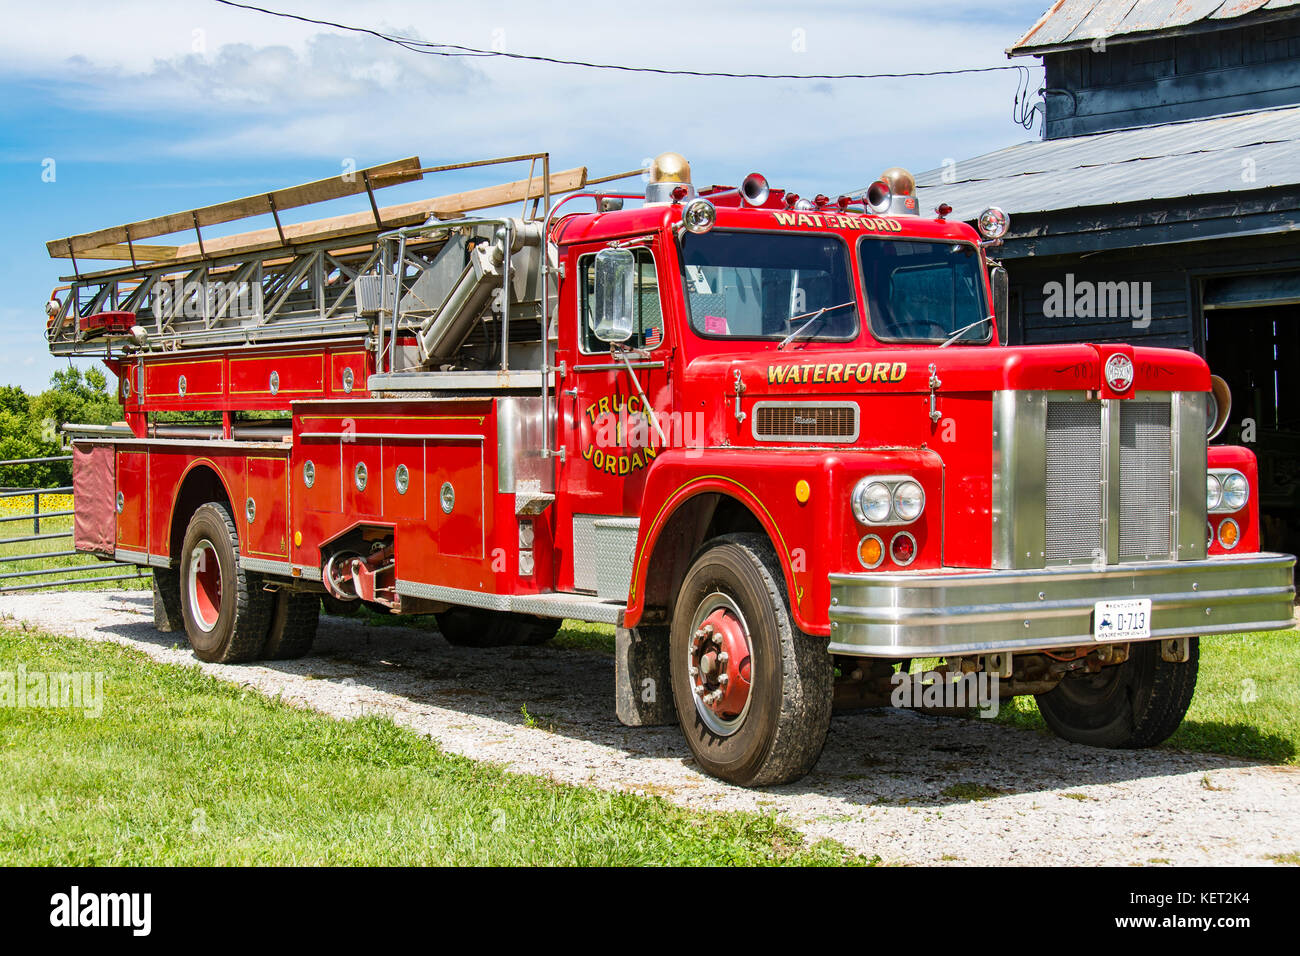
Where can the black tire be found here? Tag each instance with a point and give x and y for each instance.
(1139, 703)
(538, 630)
(338, 608)
(167, 614)
(228, 624)
(476, 627)
(293, 626)
(781, 733)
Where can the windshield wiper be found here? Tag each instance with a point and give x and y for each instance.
(814, 317)
(963, 330)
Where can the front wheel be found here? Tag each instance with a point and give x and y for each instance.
(1139, 703)
(753, 693)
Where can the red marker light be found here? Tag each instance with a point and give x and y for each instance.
(942, 210)
(903, 548)
(791, 199)
(679, 193)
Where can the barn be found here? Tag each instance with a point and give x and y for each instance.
(1161, 204)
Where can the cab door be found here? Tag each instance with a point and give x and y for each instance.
(615, 408)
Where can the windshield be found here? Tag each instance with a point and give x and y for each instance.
(921, 291)
(754, 285)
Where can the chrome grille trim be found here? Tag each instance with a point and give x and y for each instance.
(1095, 486)
(832, 422)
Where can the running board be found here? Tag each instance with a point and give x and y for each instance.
(581, 607)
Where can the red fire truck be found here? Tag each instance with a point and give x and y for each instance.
(774, 441)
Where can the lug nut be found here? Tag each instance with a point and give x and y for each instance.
(723, 657)
(722, 678)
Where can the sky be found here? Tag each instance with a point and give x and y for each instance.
(116, 112)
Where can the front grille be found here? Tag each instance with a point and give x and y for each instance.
(790, 421)
(1073, 480)
(1076, 503)
(1145, 488)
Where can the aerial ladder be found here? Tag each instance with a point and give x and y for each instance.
(415, 296)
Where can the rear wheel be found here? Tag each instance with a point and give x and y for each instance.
(753, 693)
(225, 609)
(167, 615)
(476, 627)
(293, 626)
(1139, 703)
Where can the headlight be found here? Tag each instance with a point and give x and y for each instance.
(909, 499)
(1226, 489)
(871, 502)
(1236, 491)
(888, 499)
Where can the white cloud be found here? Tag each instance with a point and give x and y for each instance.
(263, 86)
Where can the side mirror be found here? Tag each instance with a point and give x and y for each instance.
(611, 319)
(1001, 299)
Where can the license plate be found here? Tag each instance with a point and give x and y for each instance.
(1115, 621)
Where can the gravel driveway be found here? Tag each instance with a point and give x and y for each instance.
(879, 787)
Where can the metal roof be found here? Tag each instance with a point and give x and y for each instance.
(1234, 152)
(1069, 24)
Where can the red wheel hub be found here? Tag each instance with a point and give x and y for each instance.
(205, 585)
(720, 663)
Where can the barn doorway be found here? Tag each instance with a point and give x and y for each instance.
(1252, 340)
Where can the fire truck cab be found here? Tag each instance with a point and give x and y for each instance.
(774, 441)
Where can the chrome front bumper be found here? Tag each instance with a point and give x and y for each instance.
(954, 611)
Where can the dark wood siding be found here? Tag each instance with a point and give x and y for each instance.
(1172, 78)
(1175, 272)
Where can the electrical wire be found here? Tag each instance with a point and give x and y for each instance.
(1022, 110)
(456, 50)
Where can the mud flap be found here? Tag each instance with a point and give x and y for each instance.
(643, 690)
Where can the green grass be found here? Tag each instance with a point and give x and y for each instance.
(971, 791)
(77, 565)
(1247, 700)
(183, 769)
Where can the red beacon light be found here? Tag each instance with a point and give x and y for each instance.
(942, 210)
(822, 200)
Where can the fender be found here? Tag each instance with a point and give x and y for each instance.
(746, 475)
(812, 537)
(1242, 459)
(209, 465)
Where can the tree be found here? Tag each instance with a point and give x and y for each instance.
(31, 426)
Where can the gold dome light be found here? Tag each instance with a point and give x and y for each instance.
(668, 171)
(901, 182)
